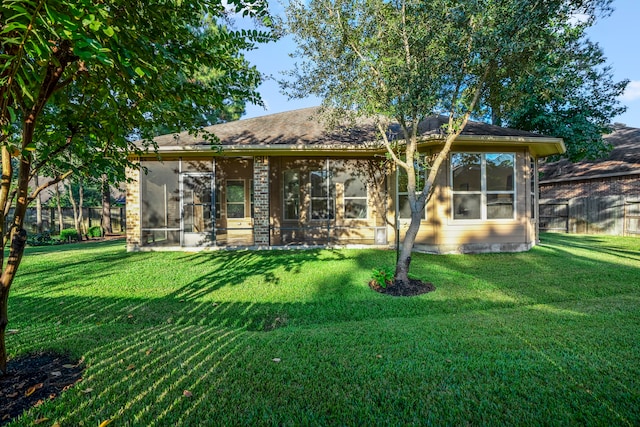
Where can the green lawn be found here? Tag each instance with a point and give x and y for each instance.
(551, 336)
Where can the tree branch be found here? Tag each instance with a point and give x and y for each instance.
(48, 184)
(387, 145)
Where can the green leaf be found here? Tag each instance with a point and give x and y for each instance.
(139, 71)
(12, 114)
(108, 31)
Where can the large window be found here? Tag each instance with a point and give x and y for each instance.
(483, 185)
(322, 197)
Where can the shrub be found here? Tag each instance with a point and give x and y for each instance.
(95, 231)
(69, 235)
(40, 239)
(382, 276)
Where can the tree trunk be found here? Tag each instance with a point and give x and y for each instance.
(18, 242)
(59, 207)
(4, 321)
(106, 207)
(74, 205)
(404, 259)
(39, 226)
(80, 225)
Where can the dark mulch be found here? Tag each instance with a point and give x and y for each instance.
(399, 289)
(34, 379)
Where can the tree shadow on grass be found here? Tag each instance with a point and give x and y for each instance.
(147, 352)
(600, 244)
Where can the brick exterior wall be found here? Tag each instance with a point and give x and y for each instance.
(606, 186)
(261, 200)
(133, 208)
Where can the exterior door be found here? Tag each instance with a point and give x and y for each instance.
(238, 208)
(196, 191)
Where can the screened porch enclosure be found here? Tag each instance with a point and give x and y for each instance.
(196, 203)
(326, 201)
(310, 201)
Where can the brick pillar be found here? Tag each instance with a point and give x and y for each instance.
(133, 207)
(261, 200)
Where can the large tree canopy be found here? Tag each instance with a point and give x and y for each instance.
(576, 100)
(404, 60)
(79, 79)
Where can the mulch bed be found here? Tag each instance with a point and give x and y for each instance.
(399, 289)
(34, 379)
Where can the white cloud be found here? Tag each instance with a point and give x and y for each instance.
(632, 92)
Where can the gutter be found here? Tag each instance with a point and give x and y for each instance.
(539, 147)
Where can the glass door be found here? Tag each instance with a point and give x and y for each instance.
(196, 191)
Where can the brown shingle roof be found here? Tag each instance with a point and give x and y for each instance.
(623, 159)
(306, 127)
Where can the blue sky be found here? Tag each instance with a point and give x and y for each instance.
(618, 35)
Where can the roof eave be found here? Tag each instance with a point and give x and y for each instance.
(537, 146)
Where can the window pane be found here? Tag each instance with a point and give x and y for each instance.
(355, 208)
(235, 210)
(160, 238)
(404, 209)
(354, 187)
(197, 218)
(196, 189)
(533, 206)
(291, 195)
(235, 191)
(421, 176)
(197, 165)
(402, 180)
(532, 172)
(218, 198)
(499, 206)
(160, 195)
(500, 172)
(466, 206)
(320, 209)
(466, 171)
(318, 184)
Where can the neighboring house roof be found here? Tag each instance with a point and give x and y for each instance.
(624, 159)
(305, 130)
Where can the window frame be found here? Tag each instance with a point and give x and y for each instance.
(484, 192)
(399, 171)
(329, 198)
(227, 202)
(296, 196)
(364, 198)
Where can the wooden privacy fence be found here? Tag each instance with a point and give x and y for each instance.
(616, 215)
(91, 217)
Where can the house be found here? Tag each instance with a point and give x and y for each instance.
(290, 180)
(599, 196)
(618, 174)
